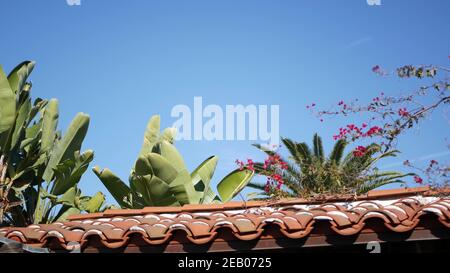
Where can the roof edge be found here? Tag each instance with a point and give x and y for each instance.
(236, 205)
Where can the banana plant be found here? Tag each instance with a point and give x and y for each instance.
(40, 165)
(160, 177)
(71, 202)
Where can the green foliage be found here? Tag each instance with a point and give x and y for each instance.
(309, 172)
(41, 167)
(160, 177)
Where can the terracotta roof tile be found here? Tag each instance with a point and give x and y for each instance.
(157, 226)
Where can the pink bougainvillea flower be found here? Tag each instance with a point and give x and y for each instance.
(418, 179)
(359, 151)
(403, 112)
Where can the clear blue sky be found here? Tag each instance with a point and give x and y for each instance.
(123, 61)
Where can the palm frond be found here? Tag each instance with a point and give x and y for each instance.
(381, 179)
(304, 150)
(263, 149)
(338, 151)
(382, 174)
(291, 183)
(357, 164)
(291, 146)
(392, 153)
(376, 184)
(259, 167)
(256, 185)
(318, 147)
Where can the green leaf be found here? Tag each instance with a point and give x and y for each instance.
(7, 104)
(202, 175)
(266, 150)
(151, 135)
(66, 212)
(338, 151)
(18, 76)
(70, 143)
(69, 172)
(162, 168)
(256, 185)
(256, 196)
(210, 197)
(21, 121)
(233, 183)
(118, 189)
(183, 190)
(68, 198)
(318, 147)
(38, 105)
(39, 211)
(143, 166)
(138, 190)
(169, 134)
(156, 192)
(49, 123)
(93, 204)
(32, 136)
(169, 152)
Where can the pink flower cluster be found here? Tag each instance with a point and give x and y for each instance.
(249, 166)
(403, 112)
(273, 164)
(274, 160)
(418, 179)
(356, 132)
(360, 151)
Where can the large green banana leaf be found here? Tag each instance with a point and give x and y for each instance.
(49, 124)
(162, 168)
(169, 152)
(18, 76)
(8, 104)
(156, 191)
(118, 189)
(93, 203)
(169, 134)
(151, 135)
(68, 145)
(183, 190)
(201, 179)
(233, 183)
(69, 172)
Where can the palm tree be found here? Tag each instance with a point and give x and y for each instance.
(309, 172)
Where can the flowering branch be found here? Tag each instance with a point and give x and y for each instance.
(394, 115)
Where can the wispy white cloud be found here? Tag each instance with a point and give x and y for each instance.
(359, 42)
(419, 159)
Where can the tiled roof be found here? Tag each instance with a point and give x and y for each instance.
(200, 225)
